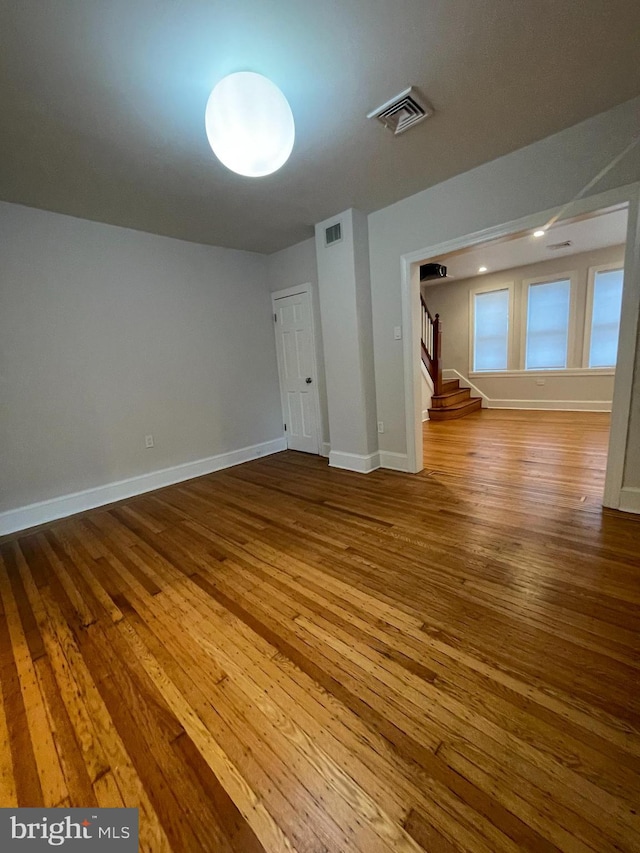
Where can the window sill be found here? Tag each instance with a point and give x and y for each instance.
(567, 371)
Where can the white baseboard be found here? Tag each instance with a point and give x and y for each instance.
(394, 461)
(326, 449)
(44, 511)
(552, 405)
(425, 415)
(630, 499)
(354, 461)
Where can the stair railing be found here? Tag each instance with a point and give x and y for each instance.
(431, 339)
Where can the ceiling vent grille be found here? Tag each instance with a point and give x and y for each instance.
(402, 112)
(333, 234)
(553, 247)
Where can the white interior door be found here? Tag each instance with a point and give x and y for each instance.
(293, 322)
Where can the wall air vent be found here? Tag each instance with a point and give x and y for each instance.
(402, 112)
(333, 234)
(553, 247)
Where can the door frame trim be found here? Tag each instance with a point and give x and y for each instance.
(283, 294)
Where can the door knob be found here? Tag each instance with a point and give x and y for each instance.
(308, 380)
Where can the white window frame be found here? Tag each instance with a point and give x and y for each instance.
(572, 360)
(490, 288)
(588, 315)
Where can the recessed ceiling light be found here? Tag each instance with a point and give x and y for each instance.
(482, 269)
(539, 233)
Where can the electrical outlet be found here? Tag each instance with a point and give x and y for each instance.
(380, 426)
(148, 441)
(397, 333)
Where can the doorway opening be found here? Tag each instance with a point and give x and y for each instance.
(530, 327)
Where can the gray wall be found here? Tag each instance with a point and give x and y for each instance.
(108, 334)
(345, 304)
(452, 301)
(365, 324)
(539, 177)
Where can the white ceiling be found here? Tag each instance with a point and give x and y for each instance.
(102, 103)
(605, 229)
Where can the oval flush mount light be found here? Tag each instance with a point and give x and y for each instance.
(249, 124)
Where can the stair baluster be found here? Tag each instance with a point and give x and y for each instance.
(432, 346)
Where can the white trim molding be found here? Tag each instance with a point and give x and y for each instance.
(326, 449)
(629, 499)
(307, 287)
(625, 366)
(357, 462)
(451, 373)
(42, 512)
(551, 405)
(539, 374)
(394, 461)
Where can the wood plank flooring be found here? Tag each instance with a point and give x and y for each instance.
(286, 657)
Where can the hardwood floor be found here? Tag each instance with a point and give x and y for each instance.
(282, 656)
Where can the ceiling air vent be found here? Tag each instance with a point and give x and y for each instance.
(553, 247)
(403, 111)
(333, 234)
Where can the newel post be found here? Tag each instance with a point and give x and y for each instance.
(437, 354)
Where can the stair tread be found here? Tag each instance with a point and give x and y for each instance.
(457, 410)
(461, 405)
(452, 393)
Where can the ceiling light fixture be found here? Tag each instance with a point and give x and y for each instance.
(539, 233)
(482, 269)
(249, 124)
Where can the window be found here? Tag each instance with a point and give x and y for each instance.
(491, 330)
(548, 325)
(566, 320)
(605, 317)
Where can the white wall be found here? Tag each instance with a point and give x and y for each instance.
(290, 268)
(365, 324)
(426, 388)
(108, 334)
(293, 266)
(631, 473)
(570, 389)
(632, 468)
(539, 177)
(345, 304)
